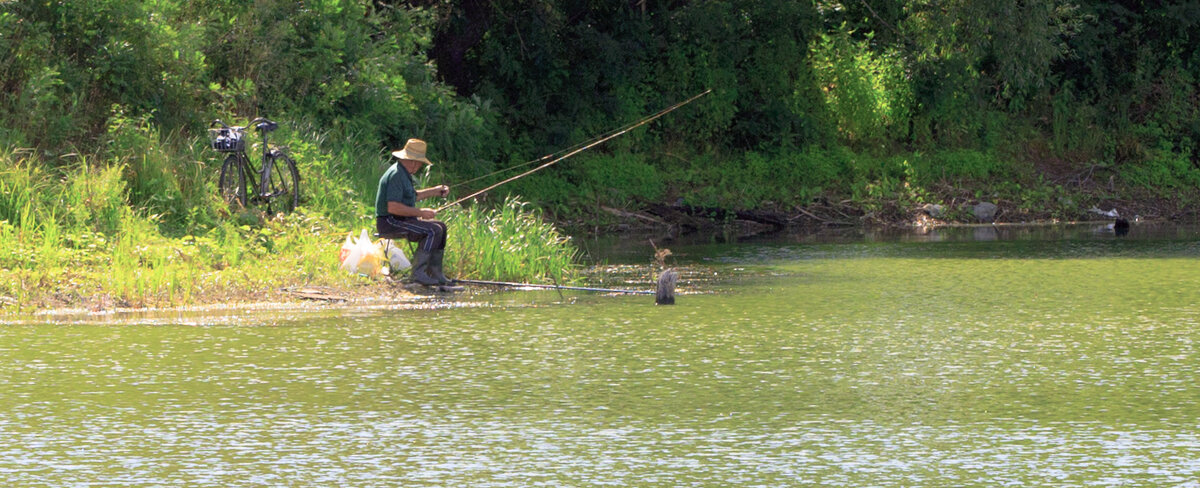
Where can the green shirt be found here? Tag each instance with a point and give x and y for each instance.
(396, 185)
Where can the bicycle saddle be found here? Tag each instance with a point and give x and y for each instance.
(267, 126)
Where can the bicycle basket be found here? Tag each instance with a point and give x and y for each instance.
(227, 139)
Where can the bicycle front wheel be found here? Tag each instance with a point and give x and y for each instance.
(232, 183)
(282, 182)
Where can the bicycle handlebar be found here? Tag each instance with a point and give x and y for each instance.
(260, 123)
(263, 124)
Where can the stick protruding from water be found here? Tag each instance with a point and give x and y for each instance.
(666, 287)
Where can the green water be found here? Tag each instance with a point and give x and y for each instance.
(1059, 359)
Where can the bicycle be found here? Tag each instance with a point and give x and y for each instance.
(279, 180)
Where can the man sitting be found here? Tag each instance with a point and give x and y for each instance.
(397, 215)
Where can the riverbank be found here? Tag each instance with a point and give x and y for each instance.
(63, 293)
(940, 207)
(133, 265)
(267, 306)
(100, 305)
(342, 293)
(55, 263)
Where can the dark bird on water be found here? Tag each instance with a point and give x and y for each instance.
(1121, 227)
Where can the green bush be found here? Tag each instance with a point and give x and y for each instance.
(1165, 172)
(151, 169)
(959, 165)
(622, 179)
(777, 179)
(867, 92)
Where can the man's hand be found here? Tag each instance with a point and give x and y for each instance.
(433, 191)
(427, 213)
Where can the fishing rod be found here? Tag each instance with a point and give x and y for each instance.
(543, 158)
(578, 150)
(663, 295)
(553, 287)
(525, 163)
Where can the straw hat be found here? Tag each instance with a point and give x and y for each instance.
(414, 150)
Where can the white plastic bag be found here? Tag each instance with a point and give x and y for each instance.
(346, 248)
(397, 261)
(372, 261)
(351, 254)
(364, 257)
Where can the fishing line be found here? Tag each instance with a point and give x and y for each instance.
(522, 165)
(554, 287)
(576, 150)
(664, 295)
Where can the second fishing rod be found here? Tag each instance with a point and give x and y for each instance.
(570, 152)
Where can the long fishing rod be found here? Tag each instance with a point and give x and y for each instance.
(553, 287)
(546, 157)
(590, 145)
(522, 165)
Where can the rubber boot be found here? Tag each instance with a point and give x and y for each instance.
(435, 267)
(435, 270)
(420, 264)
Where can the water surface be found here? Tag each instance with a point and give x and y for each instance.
(1049, 358)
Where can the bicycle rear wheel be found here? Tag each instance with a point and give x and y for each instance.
(232, 183)
(282, 182)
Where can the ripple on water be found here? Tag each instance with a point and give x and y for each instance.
(873, 369)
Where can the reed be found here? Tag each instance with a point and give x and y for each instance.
(21, 185)
(509, 243)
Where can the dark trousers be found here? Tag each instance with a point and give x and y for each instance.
(430, 235)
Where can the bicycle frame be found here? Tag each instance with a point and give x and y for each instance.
(260, 184)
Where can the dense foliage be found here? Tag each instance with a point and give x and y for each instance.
(928, 94)
(1057, 87)
(1047, 107)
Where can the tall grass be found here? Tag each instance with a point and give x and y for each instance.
(21, 184)
(510, 242)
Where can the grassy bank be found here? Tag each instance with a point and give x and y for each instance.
(140, 225)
